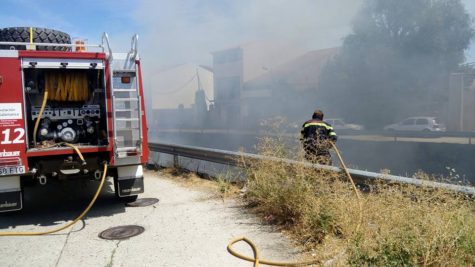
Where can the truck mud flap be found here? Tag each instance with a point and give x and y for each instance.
(130, 187)
(10, 193)
(130, 180)
(10, 201)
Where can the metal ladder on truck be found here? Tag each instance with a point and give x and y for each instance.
(126, 104)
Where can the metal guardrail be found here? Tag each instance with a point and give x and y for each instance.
(240, 158)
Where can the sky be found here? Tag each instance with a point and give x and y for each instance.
(180, 31)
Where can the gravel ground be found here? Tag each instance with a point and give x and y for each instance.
(188, 227)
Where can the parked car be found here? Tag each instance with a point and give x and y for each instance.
(427, 124)
(340, 124)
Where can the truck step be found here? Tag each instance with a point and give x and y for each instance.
(124, 90)
(118, 70)
(127, 119)
(132, 99)
(126, 149)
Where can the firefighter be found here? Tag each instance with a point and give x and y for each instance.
(315, 137)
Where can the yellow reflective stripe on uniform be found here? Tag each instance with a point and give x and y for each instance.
(332, 134)
(318, 124)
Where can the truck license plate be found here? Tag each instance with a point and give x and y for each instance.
(8, 170)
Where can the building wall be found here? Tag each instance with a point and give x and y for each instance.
(469, 109)
(461, 108)
(260, 58)
(228, 74)
(235, 66)
(228, 65)
(289, 90)
(263, 79)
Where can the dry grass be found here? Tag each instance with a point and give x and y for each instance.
(403, 225)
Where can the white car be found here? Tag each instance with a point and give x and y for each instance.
(426, 124)
(339, 124)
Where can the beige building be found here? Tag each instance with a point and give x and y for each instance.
(235, 66)
(260, 80)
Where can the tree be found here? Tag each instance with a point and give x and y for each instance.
(397, 61)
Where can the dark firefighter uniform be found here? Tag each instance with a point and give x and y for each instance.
(315, 137)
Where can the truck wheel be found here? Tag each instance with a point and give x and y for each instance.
(40, 35)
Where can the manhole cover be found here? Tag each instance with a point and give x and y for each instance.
(121, 232)
(142, 202)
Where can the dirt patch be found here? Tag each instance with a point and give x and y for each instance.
(215, 187)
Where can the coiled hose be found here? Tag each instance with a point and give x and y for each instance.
(256, 260)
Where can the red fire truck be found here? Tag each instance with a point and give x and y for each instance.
(65, 110)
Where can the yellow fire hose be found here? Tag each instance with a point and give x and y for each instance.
(99, 189)
(42, 109)
(360, 202)
(256, 260)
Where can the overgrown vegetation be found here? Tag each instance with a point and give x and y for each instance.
(397, 60)
(402, 225)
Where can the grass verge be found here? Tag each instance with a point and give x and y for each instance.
(403, 225)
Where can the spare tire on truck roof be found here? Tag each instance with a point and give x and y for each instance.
(40, 35)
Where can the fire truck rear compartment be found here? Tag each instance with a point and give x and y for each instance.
(75, 111)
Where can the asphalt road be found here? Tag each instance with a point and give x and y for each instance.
(381, 138)
(295, 135)
(188, 227)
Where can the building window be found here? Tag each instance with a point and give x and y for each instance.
(228, 56)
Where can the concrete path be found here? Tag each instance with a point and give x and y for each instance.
(188, 227)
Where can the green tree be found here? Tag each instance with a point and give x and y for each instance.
(397, 61)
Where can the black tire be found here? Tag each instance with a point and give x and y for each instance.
(40, 35)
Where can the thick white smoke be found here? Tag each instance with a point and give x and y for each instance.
(187, 31)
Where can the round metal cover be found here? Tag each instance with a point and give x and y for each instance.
(121, 232)
(142, 202)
